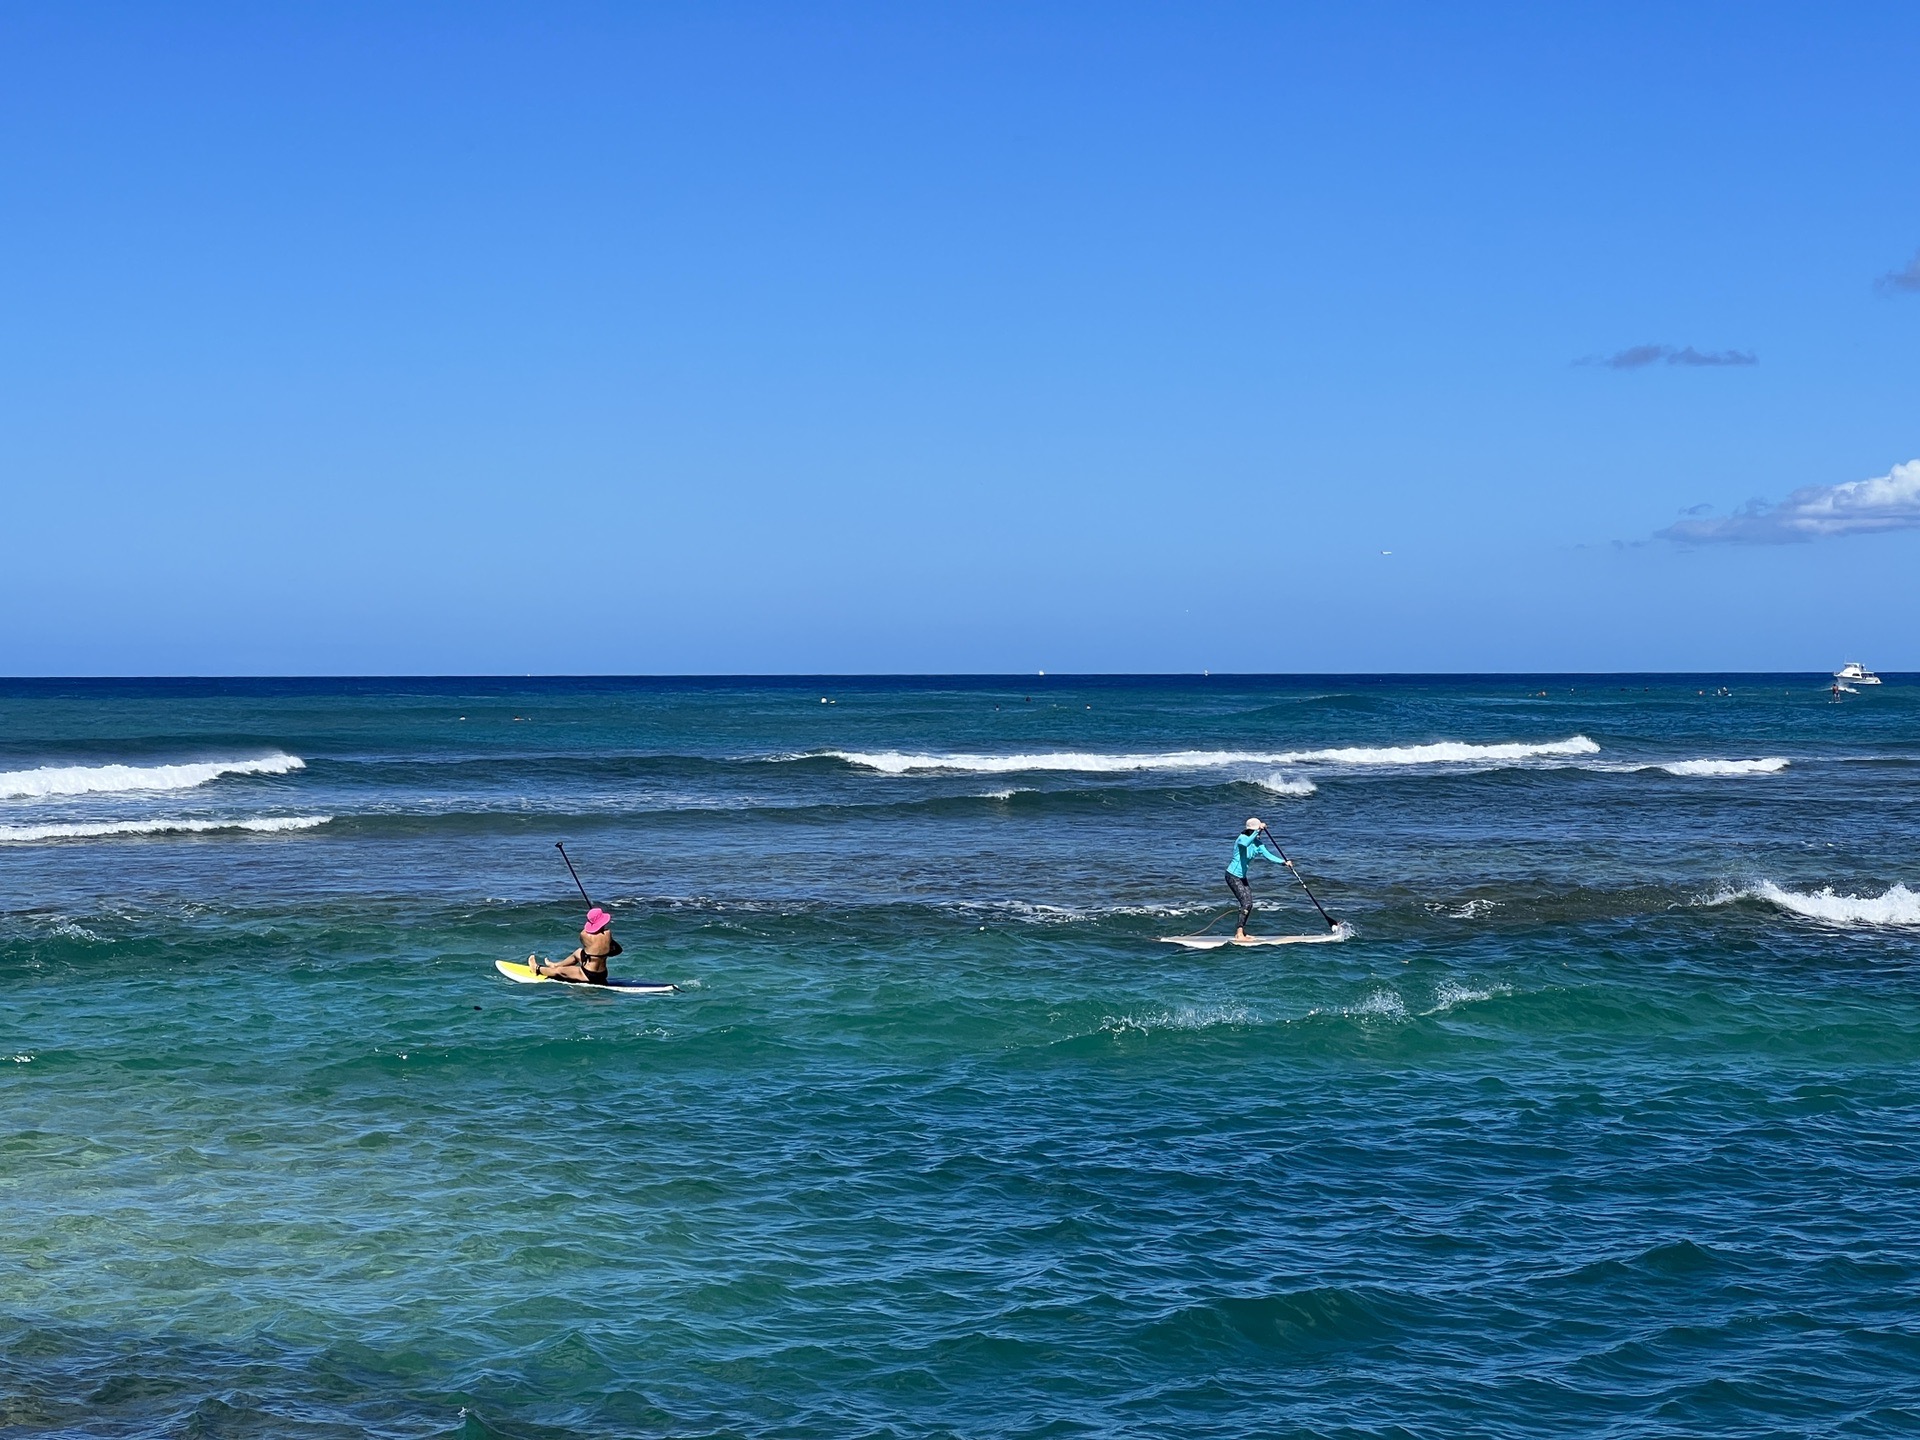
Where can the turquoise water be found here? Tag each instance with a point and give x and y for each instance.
(1604, 1122)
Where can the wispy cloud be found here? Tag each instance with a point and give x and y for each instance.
(1896, 282)
(1859, 507)
(1635, 357)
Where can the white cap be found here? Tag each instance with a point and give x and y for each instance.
(1256, 823)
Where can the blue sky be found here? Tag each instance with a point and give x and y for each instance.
(477, 338)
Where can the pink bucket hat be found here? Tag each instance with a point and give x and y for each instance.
(597, 920)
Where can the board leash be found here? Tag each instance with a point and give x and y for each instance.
(1215, 921)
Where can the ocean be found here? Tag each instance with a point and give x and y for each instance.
(1606, 1120)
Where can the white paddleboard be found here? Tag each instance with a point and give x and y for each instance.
(520, 973)
(1342, 931)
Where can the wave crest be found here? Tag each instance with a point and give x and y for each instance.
(49, 781)
(102, 829)
(1447, 752)
(1769, 765)
(1286, 785)
(1441, 752)
(1898, 906)
(1449, 993)
(1187, 1017)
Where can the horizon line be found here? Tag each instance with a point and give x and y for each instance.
(797, 676)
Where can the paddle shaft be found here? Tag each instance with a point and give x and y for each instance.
(589, 899)
(1303, 881)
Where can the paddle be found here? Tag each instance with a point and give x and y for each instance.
(1267, 834)
(583, 889)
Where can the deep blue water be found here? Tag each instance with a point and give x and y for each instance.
(1602, 1123)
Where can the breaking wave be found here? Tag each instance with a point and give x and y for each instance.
(1771, 765)
(1286, 785)
(1444, 752)
(1450, 993)
(55, 780)
(1187, 1017)
(1382, 1004)
(1898, 906)
(83, 830)
(1471, 910)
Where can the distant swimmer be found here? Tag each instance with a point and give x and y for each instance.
(588, 964)
(1252, 845)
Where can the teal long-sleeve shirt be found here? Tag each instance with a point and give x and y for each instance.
(1249, 847)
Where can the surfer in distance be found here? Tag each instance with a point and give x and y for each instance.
(1252, 845)
(588, 964)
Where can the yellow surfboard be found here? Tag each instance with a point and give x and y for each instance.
(521, 973)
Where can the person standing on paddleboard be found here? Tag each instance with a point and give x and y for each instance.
(588, 964)
(1252, 845)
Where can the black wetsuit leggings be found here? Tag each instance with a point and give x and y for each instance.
(1243, 894)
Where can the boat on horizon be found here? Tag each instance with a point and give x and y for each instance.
(1857, 673)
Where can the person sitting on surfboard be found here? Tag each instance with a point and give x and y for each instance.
(588, 964)
(1252, 845)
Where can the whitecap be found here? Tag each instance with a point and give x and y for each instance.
(1446, 752)
(1723, 769)
(1380, 1005)
(104, 829)
(53, 780)
(1898, 906)
(1187, 1017)
(1443, 752)
(1470, 910)
(1449, 993)
(1286, 785)
(1036, 912)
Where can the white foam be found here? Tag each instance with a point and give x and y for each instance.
(1471, 910)
(1443, 752)
(1381, 1004)
(1450, 993)
(19, 834)
(1286, 785)
(54, 780)
(1187, 1017)
(1446, 752)
(895, 762)
(1725, 769)
(1898, 906)
(1032, 911)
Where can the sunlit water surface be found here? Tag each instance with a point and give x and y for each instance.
(1604, 1122)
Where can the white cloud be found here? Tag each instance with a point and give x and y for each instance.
(1638, 357)
(1859, 507)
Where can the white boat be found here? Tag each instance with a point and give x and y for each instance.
(1856, 672)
